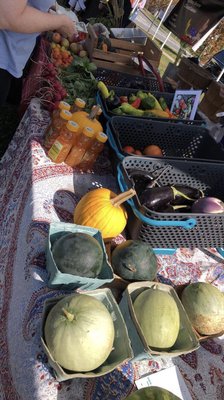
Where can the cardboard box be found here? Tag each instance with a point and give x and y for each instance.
(59, 280)
(186, 341)
(201, 338)
(122, 348)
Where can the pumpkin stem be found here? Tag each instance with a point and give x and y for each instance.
(68, 315)
(122, 197)
(94, 112)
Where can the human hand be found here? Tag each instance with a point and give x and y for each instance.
(67, 28)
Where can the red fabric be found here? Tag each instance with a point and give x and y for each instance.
(34, 80)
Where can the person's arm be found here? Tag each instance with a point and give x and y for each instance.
(17, 16)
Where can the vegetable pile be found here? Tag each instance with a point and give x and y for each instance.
(140, 104)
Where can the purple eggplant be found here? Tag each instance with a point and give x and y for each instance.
(208, 205)
(159, 198)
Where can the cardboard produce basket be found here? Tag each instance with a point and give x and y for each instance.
(59, 280)
(121, 59)
(186, 341)
(121, 352)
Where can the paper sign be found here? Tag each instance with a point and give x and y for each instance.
(170, 379)
(185, 103)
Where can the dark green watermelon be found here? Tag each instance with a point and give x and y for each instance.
(152, 393)
(134, 260)
(78, 254)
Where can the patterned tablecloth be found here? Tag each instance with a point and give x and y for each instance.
(33, 193)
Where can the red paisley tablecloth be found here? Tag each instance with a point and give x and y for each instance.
(34, 192)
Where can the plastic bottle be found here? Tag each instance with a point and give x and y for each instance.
(78, 105)
(63, 105)
(63, 144)
(93, 152)
(63, 117)
(84, 141)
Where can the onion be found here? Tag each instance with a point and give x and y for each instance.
(208, 205)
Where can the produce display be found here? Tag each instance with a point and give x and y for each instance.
(204, 304)
(102, 209)
(79, 332)
(134, 260)
(78, 254)
(139, 104)
(158, 316)
(152, 393)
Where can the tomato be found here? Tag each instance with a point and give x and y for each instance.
(129, 149)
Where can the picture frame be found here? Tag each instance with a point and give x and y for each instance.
(185, 103)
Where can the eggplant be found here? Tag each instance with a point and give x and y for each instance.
(208, 205)
(185, 194)
(158, 198)
(113, 101)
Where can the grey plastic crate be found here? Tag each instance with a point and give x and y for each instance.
(175, 230)
(175, 140)
(130, 34)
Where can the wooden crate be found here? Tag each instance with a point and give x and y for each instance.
(121, 59)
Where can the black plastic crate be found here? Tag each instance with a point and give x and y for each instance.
(175, 140)
(167, 96)
(175, 230)
(120, 79)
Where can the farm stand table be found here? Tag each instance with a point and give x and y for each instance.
(34, 192)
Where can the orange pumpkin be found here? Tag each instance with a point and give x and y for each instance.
(103, 209)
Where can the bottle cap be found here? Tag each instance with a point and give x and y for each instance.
(72, 126)
(79, 102)
(101, 137)
(63, 105)
(65, 114)
(87, 131)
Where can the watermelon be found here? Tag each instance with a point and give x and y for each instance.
(78, 254)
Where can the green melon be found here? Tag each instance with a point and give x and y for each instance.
(78, 254)
(79, 332)
(204, 304)
(158, 316)
(152, 393)
(134, 260)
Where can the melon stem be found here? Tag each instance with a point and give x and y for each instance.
(68, 315)
(122, 197)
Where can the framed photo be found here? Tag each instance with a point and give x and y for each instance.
(185, 103)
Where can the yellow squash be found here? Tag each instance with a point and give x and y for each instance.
(103, 209)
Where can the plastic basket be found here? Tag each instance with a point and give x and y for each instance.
(175, 140)
(167, 96)
(120, 79)
(175, 230)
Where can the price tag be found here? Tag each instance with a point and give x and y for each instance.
(170, 379)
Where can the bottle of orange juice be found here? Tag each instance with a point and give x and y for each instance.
(60, 120)
(78, 105)
(63, 143)
(93, 152)
(63, 105)
(78, 150)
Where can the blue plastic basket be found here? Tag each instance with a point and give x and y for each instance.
(167, 96)
(175, 230)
